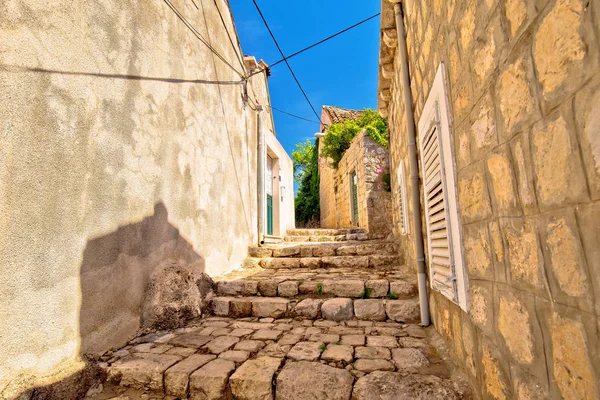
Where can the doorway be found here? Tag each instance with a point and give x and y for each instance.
(269, 196)
(354, 196)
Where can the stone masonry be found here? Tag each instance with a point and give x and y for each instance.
(302, 320)
(524, 89)
(374, 203)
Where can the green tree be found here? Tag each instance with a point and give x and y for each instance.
(306, 174)
(340, 135)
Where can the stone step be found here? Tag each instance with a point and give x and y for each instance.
(252, 358)
(333, 309)
(324, 285)
(356, 262)
(374, 247)
(324, 232)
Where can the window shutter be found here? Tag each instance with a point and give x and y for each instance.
(447, 273)
(441, 262)
(402, 193)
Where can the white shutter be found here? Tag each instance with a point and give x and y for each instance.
(402, 194)
(446, 267)
(441, 263)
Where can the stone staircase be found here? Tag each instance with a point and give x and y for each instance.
(330, 316)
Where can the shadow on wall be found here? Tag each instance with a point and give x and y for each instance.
(127, 274)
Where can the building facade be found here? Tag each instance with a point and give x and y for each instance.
(505, 98)
(354, 194)
(128, 139)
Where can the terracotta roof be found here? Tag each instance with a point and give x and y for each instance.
(337, 114)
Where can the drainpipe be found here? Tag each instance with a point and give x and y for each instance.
(261, 161)
(414, 168)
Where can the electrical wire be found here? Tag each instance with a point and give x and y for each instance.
(237, 55)
(199, 36)
(293, 115)
(285, 60)
(323, 40)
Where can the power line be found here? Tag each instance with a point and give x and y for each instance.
(285, 60)
(229, 36)
(323, 41)
(199, 36)
(295, 116)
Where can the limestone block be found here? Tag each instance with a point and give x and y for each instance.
(238, 356)
(288, 289)
(266, 334)
(473, 197)
(267, 288)
(569, 281)
(308, 308)
(313, 380)
(368, 365)
(409, 358)
(176, 294)
(523, 167)
(587, 117)
(503, 188)
(372, 310)
(377, 287)
(251, 346)
(346, 262)
(416, 331)
(353, 340)
(253, 380)
(336, 352)
(517, 104)
(177, 377)
(240, 332)
(496, 378)
(343, 287)
(269, 307)
(306, 351)
(290, 338)
(142, 370)
(382, 341)
(210, 381)
(323, 251)
(324, 337)
(403, 289)
(478, 252)
(482, 308)
(383, 260)
(191, 339)
(240, 307)
(240, 287)
(260, 252)
(407, 311)
(339, 309)
(590, 236)
(286, 251)
(306, 252)
(557, 165)
(559, 50)
(221, 343)
(516, 13)
(372, 352)
(310, 262)
(346, 251)
(524, 256)
(279, 263)
(392, 385)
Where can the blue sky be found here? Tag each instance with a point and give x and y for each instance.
(341, 72)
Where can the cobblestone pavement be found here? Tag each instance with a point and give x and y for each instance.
(252, 358)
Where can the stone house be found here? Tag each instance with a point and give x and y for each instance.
(505, 97)
(353, 195)
(128, 141)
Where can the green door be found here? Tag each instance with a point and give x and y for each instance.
(269, 214)
(354, 186)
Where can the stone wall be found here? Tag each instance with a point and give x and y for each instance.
(117, 152)
(523, 83)
(374, 203)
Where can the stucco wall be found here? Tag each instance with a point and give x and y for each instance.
(114, 156)
(374, 203)
(283, 186)
(523, 83)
